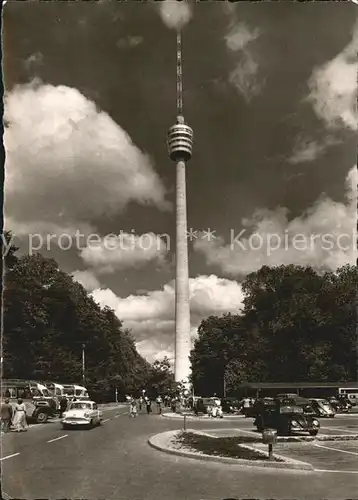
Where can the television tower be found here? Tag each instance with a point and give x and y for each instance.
(180, 143)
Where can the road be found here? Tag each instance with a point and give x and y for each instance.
(114, 461)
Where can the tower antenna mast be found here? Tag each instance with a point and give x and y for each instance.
(179, 76)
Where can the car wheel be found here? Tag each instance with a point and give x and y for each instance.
(41, 417)
(64, 427)
(314, 432)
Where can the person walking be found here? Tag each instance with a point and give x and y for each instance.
(159, 402)
(63, 405)
(140, 402)
(246, 406)
(19, 421)
(6, 415)
(148, 404)
(133, 408)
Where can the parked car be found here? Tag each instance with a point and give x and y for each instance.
(230, 405)
(201, 405)
(322, 408)
(258, 405)
(338, 406)
(296, 400)
(346, 404)
(286, 419)
(82, 413)
(206, 405)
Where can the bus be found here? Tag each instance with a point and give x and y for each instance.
(57, 392)
(351, 393)
(72, 391)
(38, 401)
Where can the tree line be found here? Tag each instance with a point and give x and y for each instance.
(296, 326)
(47, 318)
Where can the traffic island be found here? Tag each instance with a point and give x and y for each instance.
(232, 450)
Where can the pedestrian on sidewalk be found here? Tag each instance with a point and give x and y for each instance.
(19, 421)
(141, 401)
(6, 415)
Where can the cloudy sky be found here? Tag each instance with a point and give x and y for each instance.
(269, 90)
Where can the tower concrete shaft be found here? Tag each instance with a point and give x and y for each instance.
(182, 304)
(180, 143)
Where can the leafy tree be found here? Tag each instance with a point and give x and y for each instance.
(296, 325)
(8, 249)
(161, 380)
(47, 318)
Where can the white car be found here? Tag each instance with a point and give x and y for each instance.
(82, 413)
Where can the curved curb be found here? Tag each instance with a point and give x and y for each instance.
(162, 442)
(203, 417)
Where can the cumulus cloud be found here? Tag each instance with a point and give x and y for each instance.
(333, 88)
(151, 316)
(324, 237)
(175, 14)
(67, 162)
(87, 279)
(153, 350)
(244, 76)
(117, 252)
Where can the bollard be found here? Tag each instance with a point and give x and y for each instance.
(185, 422)
(269, 436)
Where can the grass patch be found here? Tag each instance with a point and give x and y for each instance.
(221, 447)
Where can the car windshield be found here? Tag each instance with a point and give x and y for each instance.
(80, 406)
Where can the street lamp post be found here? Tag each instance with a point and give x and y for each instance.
(83, 365)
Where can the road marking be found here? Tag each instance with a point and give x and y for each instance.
(9, 456)
(340, 429)
(341, 471)
(248, 432)
(336, 449)
(56, 439)
(107, 420)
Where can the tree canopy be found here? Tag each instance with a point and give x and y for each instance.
(296, 325)
(47, 318)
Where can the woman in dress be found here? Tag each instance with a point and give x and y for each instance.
(19, 421)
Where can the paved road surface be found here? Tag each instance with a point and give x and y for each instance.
(114, 461)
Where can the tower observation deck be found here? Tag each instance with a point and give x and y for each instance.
(180, 135)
